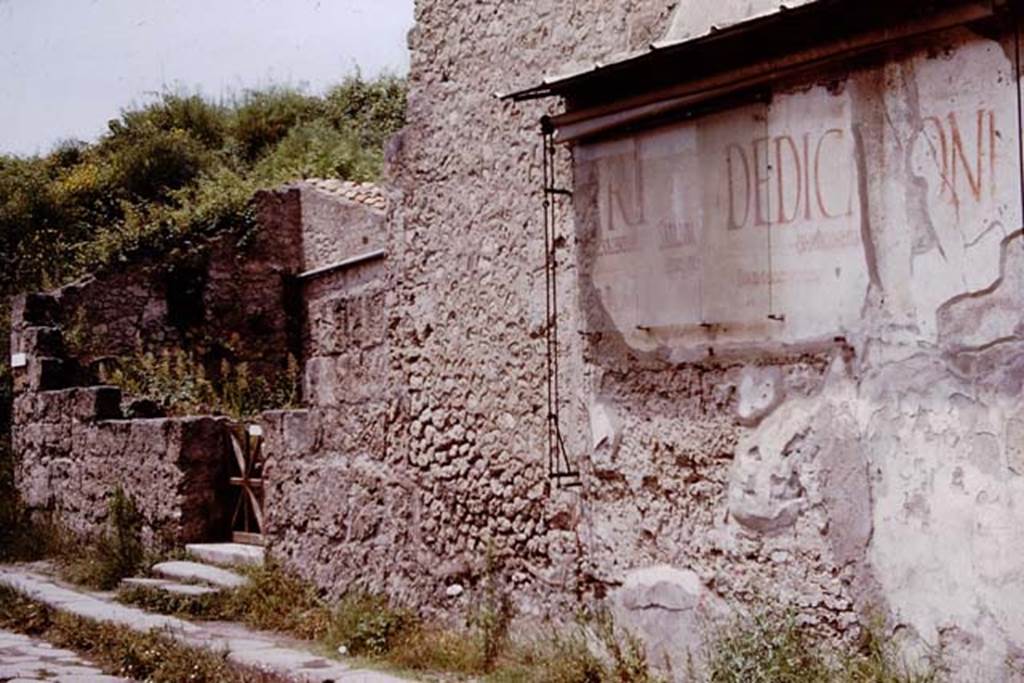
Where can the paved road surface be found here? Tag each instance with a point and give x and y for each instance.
(24, 659)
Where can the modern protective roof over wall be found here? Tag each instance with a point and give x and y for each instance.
(695, 18)
(691, 20)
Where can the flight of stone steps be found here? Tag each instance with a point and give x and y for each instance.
(204, 577)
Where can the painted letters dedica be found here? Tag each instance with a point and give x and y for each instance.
(765, 223)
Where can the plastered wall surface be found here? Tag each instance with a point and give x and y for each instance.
(774, 464)
(871, 221)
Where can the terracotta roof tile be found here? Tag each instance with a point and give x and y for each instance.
(369, 195)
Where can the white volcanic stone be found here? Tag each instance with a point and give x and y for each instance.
(194, 571)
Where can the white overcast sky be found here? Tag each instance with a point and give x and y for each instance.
(68, 66)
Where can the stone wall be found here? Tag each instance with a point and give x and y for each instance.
(871, 469)
(74, 448)
(455, 470)
(227, 301)
(854, 450)
(248, 303)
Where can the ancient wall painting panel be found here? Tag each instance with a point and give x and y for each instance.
(770, 223)
(953, 124)
(740, 227)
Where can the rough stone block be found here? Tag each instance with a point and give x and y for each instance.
(195, 571)
(97, 403)
(669, 608)
(35, 309)
(298, 435)
(41, 374)
(40, 341)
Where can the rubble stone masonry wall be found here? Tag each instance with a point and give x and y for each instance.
(835, 424)
(874, 468)
(229, 301)
(75, 448)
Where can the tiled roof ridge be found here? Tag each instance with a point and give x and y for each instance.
(368, 194)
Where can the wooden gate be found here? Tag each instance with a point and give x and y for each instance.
(247, 484)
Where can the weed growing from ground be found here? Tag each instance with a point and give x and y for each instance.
(116, 554)
(769, 645)
(371, 626)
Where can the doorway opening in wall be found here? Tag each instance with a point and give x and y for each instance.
(247, 492)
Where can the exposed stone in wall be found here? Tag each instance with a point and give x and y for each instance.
(754, 469)
(838, 486)
(465, 412)
(339, 220)
(74, 450)
(228, 301)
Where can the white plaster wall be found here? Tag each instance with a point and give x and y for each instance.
(900, 462)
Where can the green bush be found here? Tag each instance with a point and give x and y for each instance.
(263, 118)
(203, 120)
(178, 382)
(176, 171)
(318, 150)
(769, 645)
(375, 110)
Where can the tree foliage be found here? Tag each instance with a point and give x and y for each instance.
(180, 169)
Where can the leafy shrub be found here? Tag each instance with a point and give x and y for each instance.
(180, 169)
(273, 599)
(178, 383)
(173, 380)
(373, 109)
(368, 625)
(263, 118)
(770, 646)
(151, 163)
(318, 150)
(204, 121)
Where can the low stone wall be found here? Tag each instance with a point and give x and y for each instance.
(73, 447)
(74, 450)
(339, 518)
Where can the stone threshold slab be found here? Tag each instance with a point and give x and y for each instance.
(196, 571)
(244, 646)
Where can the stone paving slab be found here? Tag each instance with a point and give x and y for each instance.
(196, 571)
(168, 586)
(227, 553)
(29, 659)
(265, 651)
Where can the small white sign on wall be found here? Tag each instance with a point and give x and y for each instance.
(19, 360)
(255, 430)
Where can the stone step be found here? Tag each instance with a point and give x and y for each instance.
(197, 572)
(227, 554)
(186, 589)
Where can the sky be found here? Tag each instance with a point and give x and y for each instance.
(69, 66)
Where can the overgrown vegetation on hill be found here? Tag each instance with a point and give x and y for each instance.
(179, 169)
(163, 179)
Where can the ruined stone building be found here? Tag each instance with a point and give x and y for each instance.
(781, 249)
